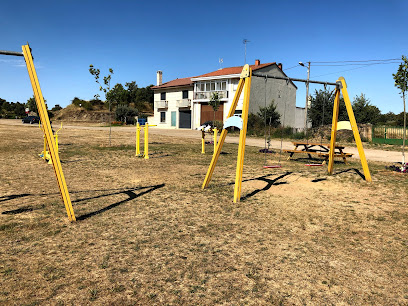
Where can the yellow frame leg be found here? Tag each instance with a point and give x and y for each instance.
(137, 139)
(215, 138)
(242, 139)
(202, 141)
(42, 110)
(146, 141)
(334, 130)
(223, 135)
(343, 86)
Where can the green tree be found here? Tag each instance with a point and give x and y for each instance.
(126, 114)
(132, 90)
(32, 105)
(364, 111)
(270, 115)
(401, 83)
(215, 102)
(321, 108)
(117, 95)
(105, 87)
(57, 107)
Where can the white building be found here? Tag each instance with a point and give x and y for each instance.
(183, 103)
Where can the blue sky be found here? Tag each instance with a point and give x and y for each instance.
(187, 38)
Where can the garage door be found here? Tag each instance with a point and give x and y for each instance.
(185, 119)
(207, 113)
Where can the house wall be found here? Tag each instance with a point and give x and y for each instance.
(299, 118)
(283, 94)
(172, 96)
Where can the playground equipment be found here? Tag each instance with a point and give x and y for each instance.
(245, 83)
(145, 154)
(208, 129)
(42, 110)
(45, 154)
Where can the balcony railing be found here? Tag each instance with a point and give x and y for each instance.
(206, 95)
(184, 103)
(161, 104)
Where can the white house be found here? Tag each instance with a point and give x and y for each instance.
(183, 103)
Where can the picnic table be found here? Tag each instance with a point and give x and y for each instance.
(318, 149)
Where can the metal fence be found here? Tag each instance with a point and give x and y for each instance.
(388, 134)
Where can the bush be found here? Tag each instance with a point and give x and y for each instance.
(82, 103)
(126, 114)
(57, 107)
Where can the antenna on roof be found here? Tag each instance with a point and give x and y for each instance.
(220, 60)
(245, 41)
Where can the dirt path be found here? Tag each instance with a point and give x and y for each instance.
(371, 154)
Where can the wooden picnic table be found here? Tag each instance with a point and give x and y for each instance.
(318, 149)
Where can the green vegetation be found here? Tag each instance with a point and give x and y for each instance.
(11, 110)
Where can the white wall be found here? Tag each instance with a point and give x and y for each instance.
(172, 96)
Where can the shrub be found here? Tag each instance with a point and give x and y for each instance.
(126, 114)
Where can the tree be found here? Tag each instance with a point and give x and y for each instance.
(270, 115)
(215, 103)
(57, 107)
(401, 83)
(105, 88)
(126, 114)
(117, 95)
(321, 108)
(364, 111)
(32, 105)
(132, 90)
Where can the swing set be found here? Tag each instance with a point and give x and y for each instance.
(241, 123)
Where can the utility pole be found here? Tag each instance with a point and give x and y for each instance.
(245, 41)
(307, 91)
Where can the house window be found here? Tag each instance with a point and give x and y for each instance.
(185, 94)
(162, 117)
(163, 96)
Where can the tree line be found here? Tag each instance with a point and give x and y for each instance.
(321, 110)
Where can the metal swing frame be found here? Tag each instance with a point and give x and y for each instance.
(245, 83)
(42, 110)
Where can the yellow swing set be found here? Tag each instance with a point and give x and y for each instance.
(245, 84)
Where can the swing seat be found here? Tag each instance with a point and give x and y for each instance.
(313, 165)
(273, 166)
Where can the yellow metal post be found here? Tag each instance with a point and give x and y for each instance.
(42, 110)
(215, 138)
(146, 141)
(242, 138)
(138, 139)
(354, 127)
(224, 132)
(343, 86)
(334, 130)
(202, 141)
(56, 137)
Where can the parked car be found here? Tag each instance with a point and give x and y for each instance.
(31, 119)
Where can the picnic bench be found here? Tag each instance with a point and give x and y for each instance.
(317, 149)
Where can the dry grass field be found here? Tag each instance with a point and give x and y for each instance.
(147, 234)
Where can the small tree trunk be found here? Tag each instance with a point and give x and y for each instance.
(405, 131)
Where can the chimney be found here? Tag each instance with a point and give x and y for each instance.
(257, 62)
(159, 77)
(280, 66)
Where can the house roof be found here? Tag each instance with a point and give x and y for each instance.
(175, 83)
(219, 72)
(233, 70)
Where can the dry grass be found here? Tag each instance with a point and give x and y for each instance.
(147, 233)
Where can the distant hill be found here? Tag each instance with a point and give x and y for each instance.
(99, 114)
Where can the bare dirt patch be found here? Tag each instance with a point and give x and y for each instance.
(147, 234)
